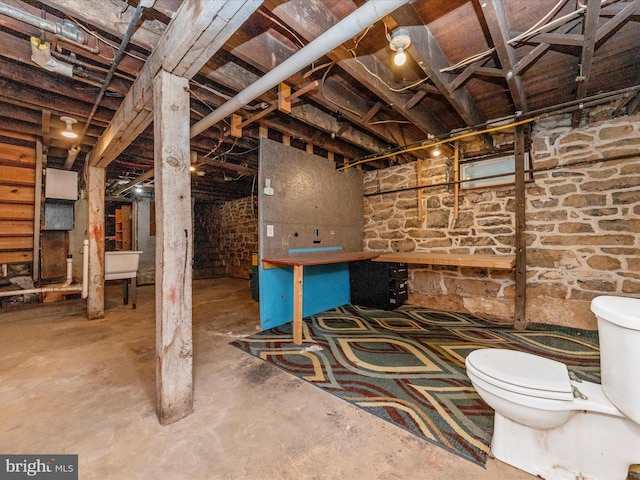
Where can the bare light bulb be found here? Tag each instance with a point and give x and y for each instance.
(400, 57)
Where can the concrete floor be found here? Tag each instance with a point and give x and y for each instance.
(69, 385)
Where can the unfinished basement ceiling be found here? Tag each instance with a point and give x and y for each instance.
(469, 63)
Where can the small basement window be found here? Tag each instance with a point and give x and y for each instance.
(490, 172)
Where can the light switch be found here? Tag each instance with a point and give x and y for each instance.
(269, 230)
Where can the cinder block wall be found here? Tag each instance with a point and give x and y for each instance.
(582, 225)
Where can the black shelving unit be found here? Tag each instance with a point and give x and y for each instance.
(378, 284)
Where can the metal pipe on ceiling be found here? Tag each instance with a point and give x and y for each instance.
(347, 28)
(65, 29)
(114, 65)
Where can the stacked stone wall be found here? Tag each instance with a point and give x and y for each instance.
(233, 231)
(582, 225)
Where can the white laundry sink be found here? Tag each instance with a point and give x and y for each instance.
(121, 264)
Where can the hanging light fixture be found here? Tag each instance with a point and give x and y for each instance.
(436, 152)
(69, 133)
(399, 42)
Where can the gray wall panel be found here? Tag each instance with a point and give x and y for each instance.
(313, 206)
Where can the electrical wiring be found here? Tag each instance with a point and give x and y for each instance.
(380, 122)
(202, 101)
(427, 145)
(322, 92)
(397, 90)
(280, 24)
(538, 27)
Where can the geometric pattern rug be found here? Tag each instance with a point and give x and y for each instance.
(407, 365)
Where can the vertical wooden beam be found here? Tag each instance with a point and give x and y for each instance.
(174, 241)
(297, 304)
(284, 98)
(236, 127)
(310, 147)
(95, 200)
(263, 131)
(286, 140)
(330, 156)
(456, 179)
(520, 320)
(419, 180)
(37, 203)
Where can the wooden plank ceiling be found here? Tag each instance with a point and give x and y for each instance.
(470, 62)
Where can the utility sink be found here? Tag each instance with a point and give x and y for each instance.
(121, 264)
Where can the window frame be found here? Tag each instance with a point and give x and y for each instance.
(474, 180)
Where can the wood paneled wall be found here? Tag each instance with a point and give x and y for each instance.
(17, 200)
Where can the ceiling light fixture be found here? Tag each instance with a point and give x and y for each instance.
(399, 42)
(436, 152)
(69, 133)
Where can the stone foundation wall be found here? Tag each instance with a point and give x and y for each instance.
(582, 225)
(233, 231)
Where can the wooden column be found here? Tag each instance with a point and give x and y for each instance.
(95, 197)
(297, 303)
(419, 181)
(174, 242)
(519, 317)
(456, 179)
(37, 201)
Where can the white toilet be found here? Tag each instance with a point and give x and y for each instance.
(553, 426)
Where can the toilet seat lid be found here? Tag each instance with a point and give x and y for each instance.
(523, 373)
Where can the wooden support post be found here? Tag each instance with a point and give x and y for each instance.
(297, 303)
(310, 148)
(284, 98)
(330, 156)
(519, 317)
(174, 242)
(95, 196)
(236, 128)
(286, 140)
(419, 180)
(456, 179)
(37, 202)
(263, 131)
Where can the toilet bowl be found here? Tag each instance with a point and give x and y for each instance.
(549, 424)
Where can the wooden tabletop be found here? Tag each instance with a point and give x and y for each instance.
(317, 258)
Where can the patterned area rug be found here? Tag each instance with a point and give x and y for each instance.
(407, 366)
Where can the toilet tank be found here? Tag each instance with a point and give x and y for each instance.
(619, 331)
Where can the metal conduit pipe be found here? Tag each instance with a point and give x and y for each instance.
(342, 31)
(66, 29)
(114, 65)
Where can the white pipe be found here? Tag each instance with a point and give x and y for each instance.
(65, 287)
(41, 56)
(347, 28)
(68, 288)
(85, 269)
(69, 271)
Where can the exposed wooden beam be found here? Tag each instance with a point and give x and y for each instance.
(571, 39)
(429, 56)
(590, 29)
(498, 25)
(197, 30)
(629, 9)
(139, 179)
